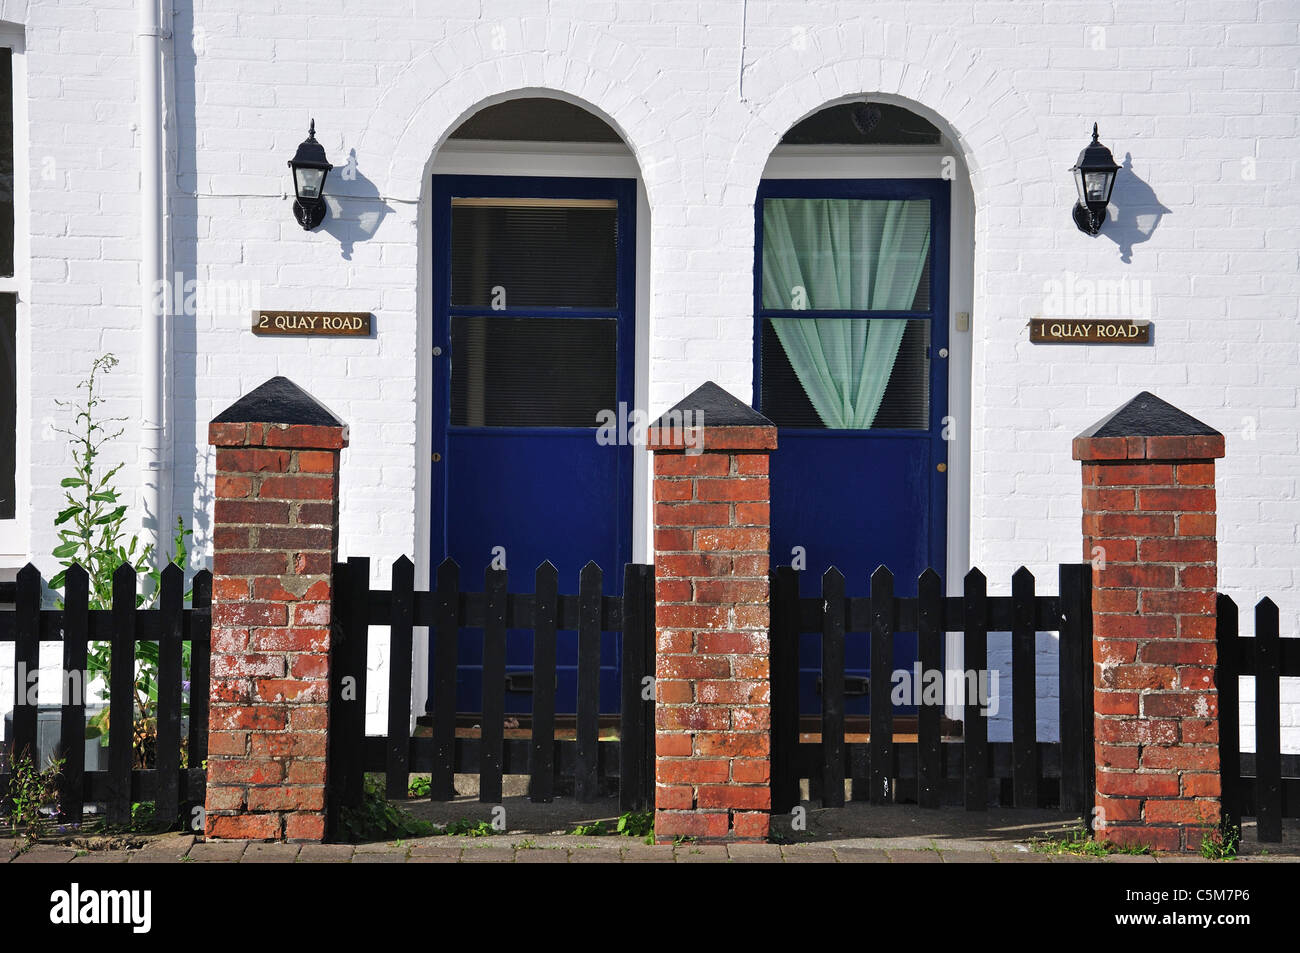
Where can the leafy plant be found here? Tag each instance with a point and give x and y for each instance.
(636, 824)
(1220, 843)
(31, 791)
(92, 536)
(418, 787)
(467, 828)
(376, 819)
(594, 829)
(1080, 841)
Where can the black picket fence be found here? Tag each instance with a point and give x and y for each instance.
(926, 757)
(1265, 785)
(168, 784)
(552, 755)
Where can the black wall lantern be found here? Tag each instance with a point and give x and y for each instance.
(309, 171)
(1094, 177)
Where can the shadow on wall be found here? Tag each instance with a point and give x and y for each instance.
(355, 207)
(190, 497)
(1135, 211)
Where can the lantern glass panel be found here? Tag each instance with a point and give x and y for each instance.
(1097, 184)
(308, 182)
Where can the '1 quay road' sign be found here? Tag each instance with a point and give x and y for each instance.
(319, 323)
(1089, 331)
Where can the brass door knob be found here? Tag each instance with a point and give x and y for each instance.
(942, 468)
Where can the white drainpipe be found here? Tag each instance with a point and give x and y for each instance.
(152, 291)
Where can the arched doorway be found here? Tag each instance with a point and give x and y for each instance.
(863, 244)
(534, 222)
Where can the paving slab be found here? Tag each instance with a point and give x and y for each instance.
(104, 857)
(270, 854)
(387, 857)
(909, 856)
(701, 854)
(325, 853)
(807, 855)
(1131, 859)
(861, 855)
(1021, 857)
(754, 853)
(40, 854)
(443, 851)
(593, 856)
(218, 851)
(966, 857)
(487, 855)
(542, 855)
(642, 854)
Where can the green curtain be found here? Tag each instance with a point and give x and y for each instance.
(843, 255)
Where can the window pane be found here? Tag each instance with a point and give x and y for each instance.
(539, 253)
(863, 124)
(846, 373)
(532, 372)
(8, 406)
(846, 254)
(6, 162)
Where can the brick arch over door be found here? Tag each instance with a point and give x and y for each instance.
(438, 91)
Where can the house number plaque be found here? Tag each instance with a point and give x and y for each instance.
(1089, 331)
(314, 323)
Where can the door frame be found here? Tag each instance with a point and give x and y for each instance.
(443, 188)
(939, 193)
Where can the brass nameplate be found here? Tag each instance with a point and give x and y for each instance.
(1089, 331)
(327, 323)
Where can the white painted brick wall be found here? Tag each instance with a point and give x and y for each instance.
(1195, 91)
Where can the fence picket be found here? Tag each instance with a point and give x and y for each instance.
(541, 786)
(631, 783)
(883, 623)
(785, 689)
(1268, 723)
(1024, 695)
(171, 605)
(1073, 708)
(975, 726)
(200, 666)
(929, 636)
(493, 723)
(355, 637)
(27, 663)
(446, 633)
(122, 692)
(833, 688)
(1226, 681)
(72, 729)
(397, 773)
(589, 586)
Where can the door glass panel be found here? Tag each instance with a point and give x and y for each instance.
(857, 373)
(846, 254)
(539, 253)
(8, 405)
(532, 372)
(6, 162)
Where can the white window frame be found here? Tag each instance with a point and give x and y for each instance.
(15, 540)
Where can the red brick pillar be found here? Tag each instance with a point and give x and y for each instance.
(275, 539)
(1148, 527)
(712, 719)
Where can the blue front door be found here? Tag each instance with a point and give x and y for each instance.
(851, 305)
(533, 338)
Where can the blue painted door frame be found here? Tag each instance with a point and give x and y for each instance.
(858, 499)
(540, 492)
